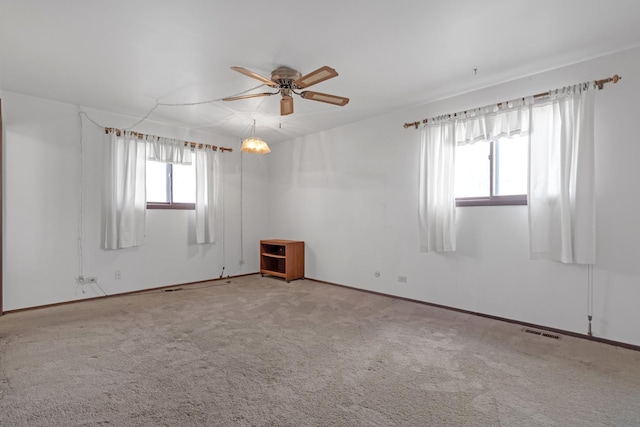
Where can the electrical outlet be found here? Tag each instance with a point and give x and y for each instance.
(402, 279)
(82, 280)
(118, 275)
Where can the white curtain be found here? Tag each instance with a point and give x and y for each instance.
(562, 177)
(440, 136)
(208, 196)
(124, 205)
(169, 150)
(437, 202)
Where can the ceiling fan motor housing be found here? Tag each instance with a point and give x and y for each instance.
(285, 77)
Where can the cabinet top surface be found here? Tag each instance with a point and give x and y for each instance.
(279, 241)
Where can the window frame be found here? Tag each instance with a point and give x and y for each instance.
(492, 199)
(170, 204)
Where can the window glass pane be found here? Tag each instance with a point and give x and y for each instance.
(157, 174)
(472, 170)
(511, 166)
(184, 182)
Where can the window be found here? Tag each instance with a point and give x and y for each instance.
(492, 172)
(171, 186)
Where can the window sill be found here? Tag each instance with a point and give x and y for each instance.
(492, 201)
(179, 206)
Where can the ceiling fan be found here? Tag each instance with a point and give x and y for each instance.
(288, 81)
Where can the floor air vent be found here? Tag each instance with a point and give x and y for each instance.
(172, 290)
(542, 334)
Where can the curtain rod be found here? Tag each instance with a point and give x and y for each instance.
(192, 144)
(599, 83)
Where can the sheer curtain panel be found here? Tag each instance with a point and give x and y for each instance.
(208, 196)
(169, 150)
(562, 177)
(508, 119)
(437, 202)
(124, 205)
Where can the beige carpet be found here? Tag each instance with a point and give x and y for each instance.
(262, 352)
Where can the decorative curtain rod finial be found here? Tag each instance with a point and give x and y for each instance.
(615, 79)
(408, 125)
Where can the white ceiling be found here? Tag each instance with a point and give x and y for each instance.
(124, 56)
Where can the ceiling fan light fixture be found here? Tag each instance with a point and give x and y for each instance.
(254, 144)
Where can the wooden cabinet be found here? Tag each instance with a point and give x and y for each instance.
(282, 258)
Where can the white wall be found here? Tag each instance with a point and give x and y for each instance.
(42, 211)
(351, 194)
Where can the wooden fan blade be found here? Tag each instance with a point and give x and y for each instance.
(325, 97)
(317, 76)
(286, 105)
(253, 75)
(253, 95)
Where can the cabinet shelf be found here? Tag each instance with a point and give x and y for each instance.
(282, 258)
(274, 273)
(274, 256)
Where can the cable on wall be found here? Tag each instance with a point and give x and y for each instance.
(80, 280)
(84, 113)
(239, 267)
(81, 207)
(224, 227)
(241, 207)
(589, 297)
